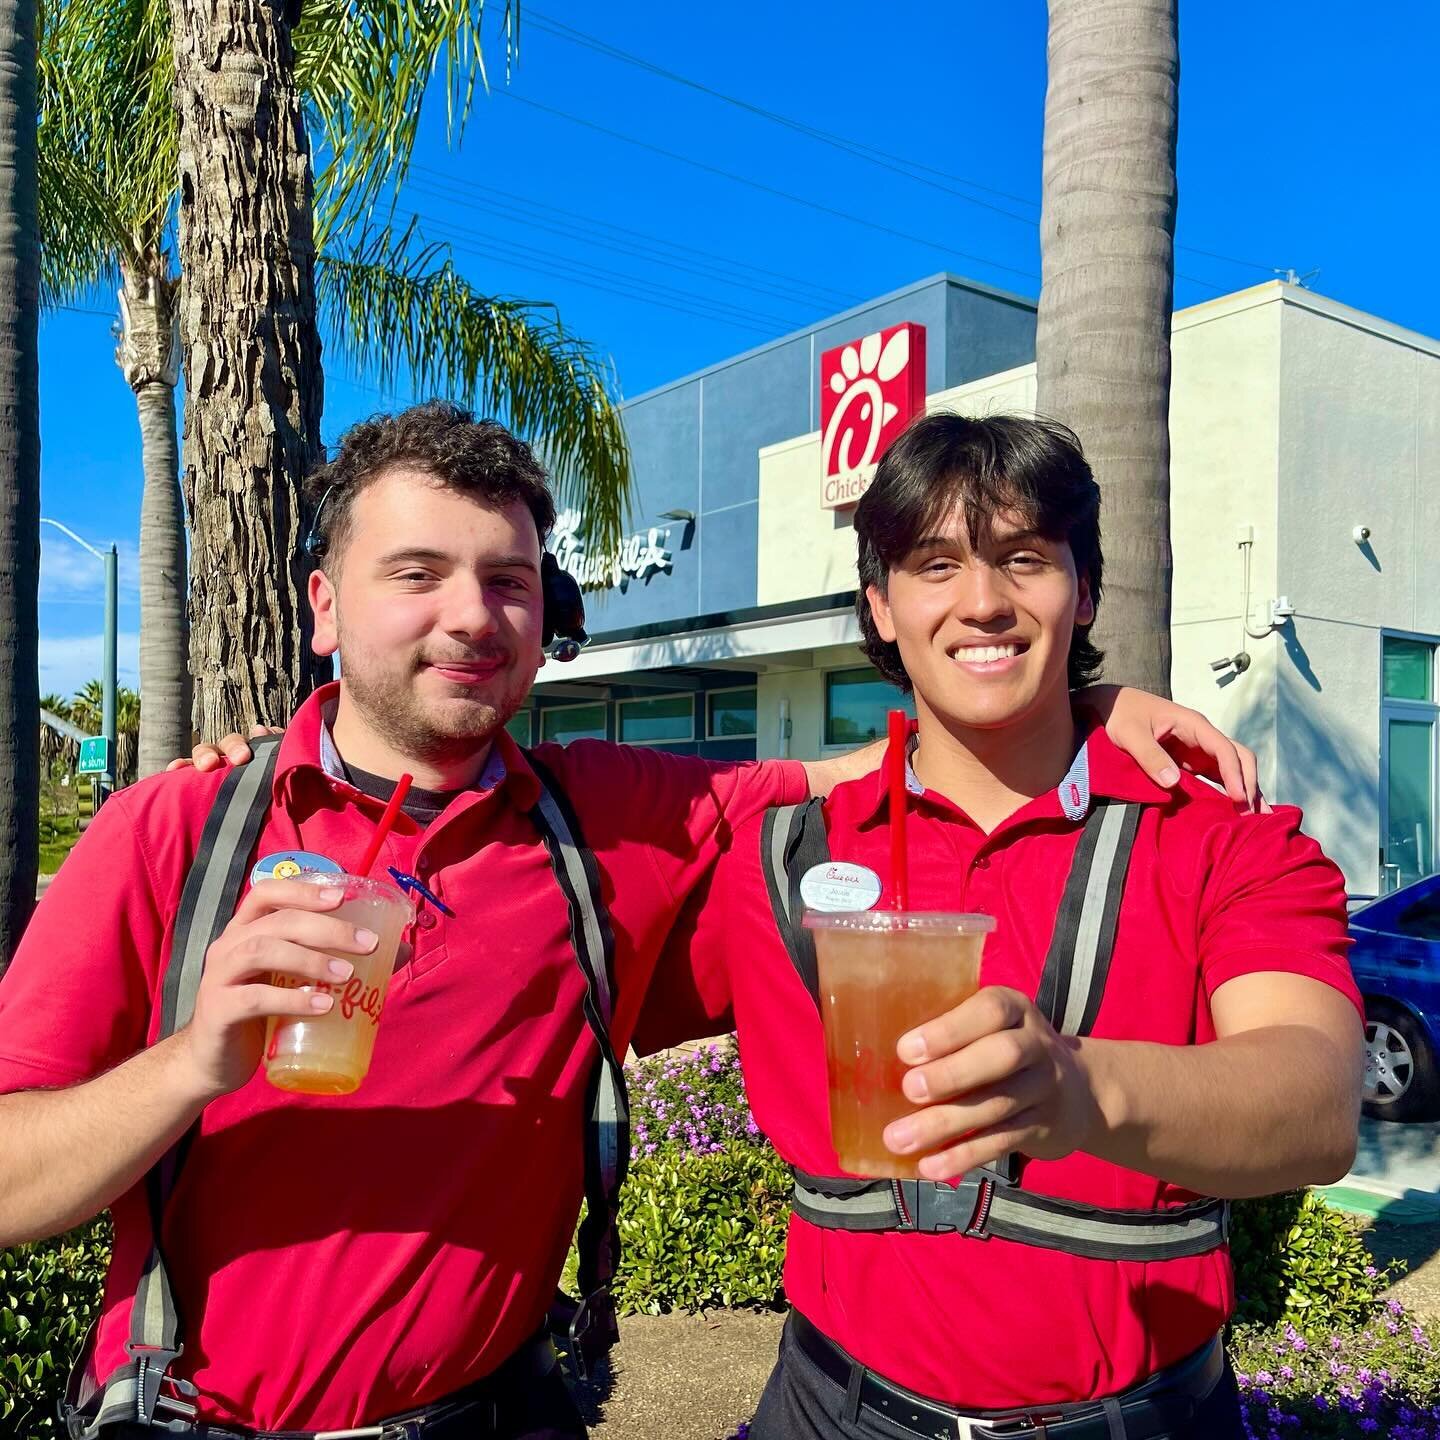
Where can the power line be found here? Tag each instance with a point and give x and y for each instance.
(869, 153)
(614, 282)
(550, 26)
(649, 253)
(826, 294)
(767, 189)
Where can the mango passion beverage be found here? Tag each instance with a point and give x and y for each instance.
(883, 972)
(330, 1054)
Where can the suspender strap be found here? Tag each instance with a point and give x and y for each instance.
(792, 839)
(140, 1392)
(590, 1327)
(978, 1208)
(986, 1202)
(1078, 962)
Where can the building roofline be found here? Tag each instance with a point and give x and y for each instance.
(943, 277)
(1270, 292)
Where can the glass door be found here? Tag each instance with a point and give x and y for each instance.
(1408, 842)
(1408, 732)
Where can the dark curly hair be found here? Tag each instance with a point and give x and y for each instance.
(480, 458)
(1035, 468)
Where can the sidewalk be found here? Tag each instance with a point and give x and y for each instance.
(683, 1377)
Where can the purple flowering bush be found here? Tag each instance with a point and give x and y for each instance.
(690, 1104)
(1382, 1379)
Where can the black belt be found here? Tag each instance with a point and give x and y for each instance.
(482, 1407)
(1164, 1402)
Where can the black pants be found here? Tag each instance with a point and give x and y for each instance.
(802, 1403)
(539, 1410)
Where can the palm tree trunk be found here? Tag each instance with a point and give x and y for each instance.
(1107, 234)
(148, 355)
(252, 357)
(19, 477)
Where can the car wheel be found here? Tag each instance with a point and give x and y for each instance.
(1400, 1075)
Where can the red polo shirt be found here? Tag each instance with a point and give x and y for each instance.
(985, 1324)
(340, 1260)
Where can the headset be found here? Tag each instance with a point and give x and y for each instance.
(563, 630)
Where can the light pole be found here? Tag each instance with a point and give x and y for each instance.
(108, 726)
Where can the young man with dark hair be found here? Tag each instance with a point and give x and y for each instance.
(1166, 1019)
(377, 1265)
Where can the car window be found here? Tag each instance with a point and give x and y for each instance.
(1421, 919)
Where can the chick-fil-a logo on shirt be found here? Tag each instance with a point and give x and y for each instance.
(870, 390)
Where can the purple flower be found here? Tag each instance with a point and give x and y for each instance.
(1287, 1372)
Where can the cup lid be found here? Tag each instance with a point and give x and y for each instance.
(934, 921)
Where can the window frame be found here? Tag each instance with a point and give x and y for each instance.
(843, 747)
(645, 700)
(733, 690)
(603, 706)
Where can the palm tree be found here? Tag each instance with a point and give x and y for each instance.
(110, 195)
(86, 711)
(1102, 346)
(19, 477)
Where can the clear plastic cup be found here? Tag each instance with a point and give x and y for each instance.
(330, 1054)
(883, 972)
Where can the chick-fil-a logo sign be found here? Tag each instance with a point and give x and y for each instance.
(870, 390)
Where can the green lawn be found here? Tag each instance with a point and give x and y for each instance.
(59, 822)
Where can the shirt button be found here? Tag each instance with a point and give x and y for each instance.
(427, 920)
(982, 862)
(423, 865)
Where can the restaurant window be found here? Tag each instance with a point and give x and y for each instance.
(657, 720)
(856, 703)
(731, 714)
(563, 723)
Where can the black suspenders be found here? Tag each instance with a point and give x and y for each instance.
(143, 1392)
(1072, 986)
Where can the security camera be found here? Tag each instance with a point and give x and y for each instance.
(1360, 534)
(1223, 663)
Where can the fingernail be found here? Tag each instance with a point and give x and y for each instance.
(366, 939)
(911, 1048)
(915, 1085)
(321, 1003)
(332, 897)
(1169, 776)
(341, 969)
(900, 1136)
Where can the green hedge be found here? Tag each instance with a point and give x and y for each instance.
(1300, 1260)
(49, 1293)
(700, 1231)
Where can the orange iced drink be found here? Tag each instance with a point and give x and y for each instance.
(330, 1054)
(883, 972)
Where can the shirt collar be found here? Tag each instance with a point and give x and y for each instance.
(1099, 768)
(309, 744)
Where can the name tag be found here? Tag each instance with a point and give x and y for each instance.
(837, 887)
(286, 864)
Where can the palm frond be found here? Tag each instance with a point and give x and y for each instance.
(395, 308)
(364, 67)
(108, 143)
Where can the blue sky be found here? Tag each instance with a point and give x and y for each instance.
(1308, 139)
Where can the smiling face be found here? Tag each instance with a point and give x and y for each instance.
(984, 623)
(435, 604)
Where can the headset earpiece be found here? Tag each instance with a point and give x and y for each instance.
(315, 542)
(564, 610)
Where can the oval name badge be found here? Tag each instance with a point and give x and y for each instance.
(837, 887)
(284, 864)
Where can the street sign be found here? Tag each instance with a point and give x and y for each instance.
(95, 756)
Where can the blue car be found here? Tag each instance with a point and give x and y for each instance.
(1396, 959)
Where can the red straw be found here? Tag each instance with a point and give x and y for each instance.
(402, 788)
(896, 760)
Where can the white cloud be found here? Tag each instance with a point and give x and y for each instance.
(69, 573)
(68, 661)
